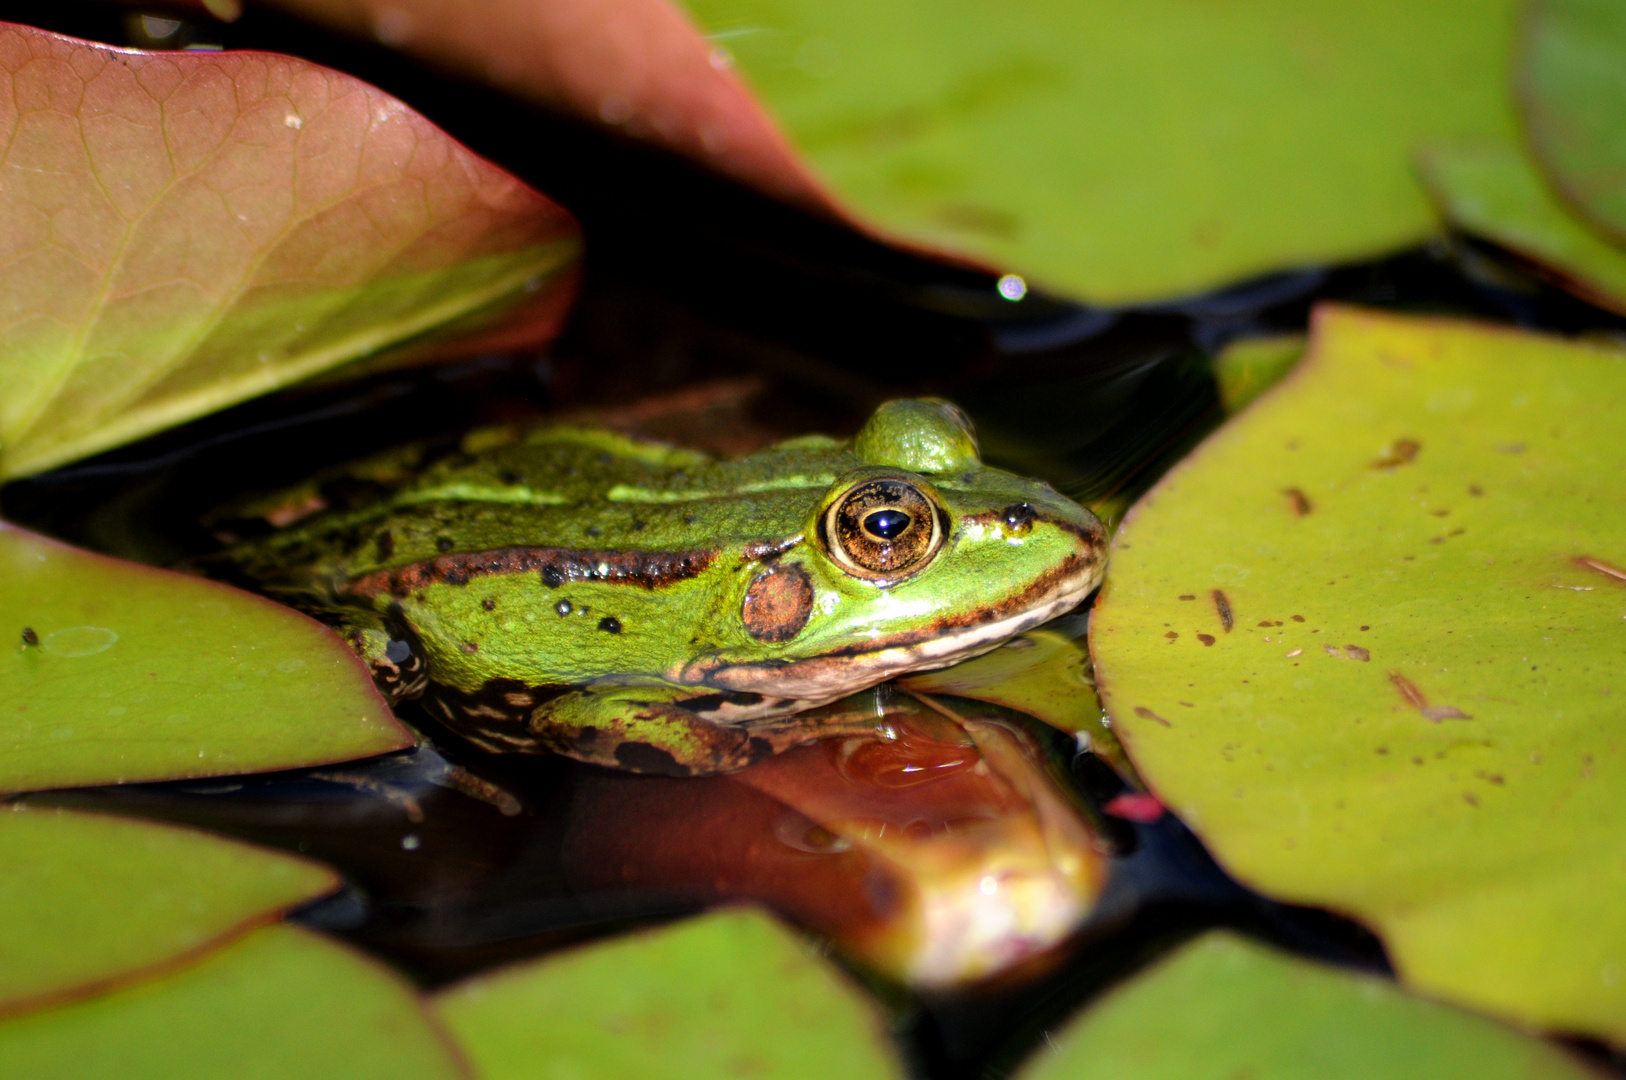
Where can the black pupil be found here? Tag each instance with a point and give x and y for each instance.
(887, 524)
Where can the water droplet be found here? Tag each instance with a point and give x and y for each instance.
(80, 641)
(1012, 287)
(410, 841)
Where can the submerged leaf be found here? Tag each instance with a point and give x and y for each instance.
(1572, 92)
(1242, 1010)
(1126, 149)
(1247, 368)
(281, 1004)
(186, 230)
(1396, 694)
(112, 672)
(86, 899)
(1490, 191)
(725, 995)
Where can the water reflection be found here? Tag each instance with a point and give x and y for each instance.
(935, 851)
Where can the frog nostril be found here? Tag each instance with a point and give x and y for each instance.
(887, 524)
(1019, 515)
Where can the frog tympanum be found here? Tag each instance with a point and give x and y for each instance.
(637, 605)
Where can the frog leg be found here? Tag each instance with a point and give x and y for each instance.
(387, 647)
(674, 730)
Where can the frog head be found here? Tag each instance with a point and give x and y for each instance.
(916, 557)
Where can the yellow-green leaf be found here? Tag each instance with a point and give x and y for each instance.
(86, 900)
(112, 672)
(281, 1004)
(725, 995)
(1491, 191)
(186, 230)
(1126, 149)
(1247, 368)
(1368, 641)
(1223, 1008)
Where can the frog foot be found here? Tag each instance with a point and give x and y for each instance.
(670, 730)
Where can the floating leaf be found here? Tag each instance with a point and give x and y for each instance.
(87, 899)
(725, 995)
(1490, 191)
(1043, 673)
(112, 672)
(1247, 368)
(1572, 92)
(1124, 150)
(280, 1003)
(186, 230)
(1224, 1007)
(1367, 641)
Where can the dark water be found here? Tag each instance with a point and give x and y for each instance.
(689, 280)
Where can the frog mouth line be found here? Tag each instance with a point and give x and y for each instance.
(824, 679)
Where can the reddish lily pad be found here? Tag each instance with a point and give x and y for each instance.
(1247, 1011)
(186, 230)
(1572, 93)
(281, 1004)
(88, 900)
(1394, 588)
(114, 672)
(725, 995)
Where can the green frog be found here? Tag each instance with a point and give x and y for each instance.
(638, 605)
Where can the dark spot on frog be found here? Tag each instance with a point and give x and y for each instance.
(1206, 639)
(470, 647)
(1300, 618)
(444, 543)
(689, 519)
(508, 476)
(706, 703)
(1297, 501)
(1222, 605)
(644, 758)
(552, 576)
(563, 607)
(1188, 596)
(1019, 517)
(638, 526)
(29, 636)
(489, 604)
(594, 531)
(610, 624)
(778, 603)
(1147, 714)
(384, 544)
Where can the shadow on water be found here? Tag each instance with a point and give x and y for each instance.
(692, 280)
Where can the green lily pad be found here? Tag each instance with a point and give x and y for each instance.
(1246, 368)
(725, 995)
(186, 230)
(1242, 1010)
(87, 900)
(1571, 81)
(1125, 150)
(1043, 673)
(112, 672)
(280, 1003)
(1367, 641)
(1491, 191)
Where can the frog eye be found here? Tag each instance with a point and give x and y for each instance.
(882, 528)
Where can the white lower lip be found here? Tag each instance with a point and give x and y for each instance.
(856, 673)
